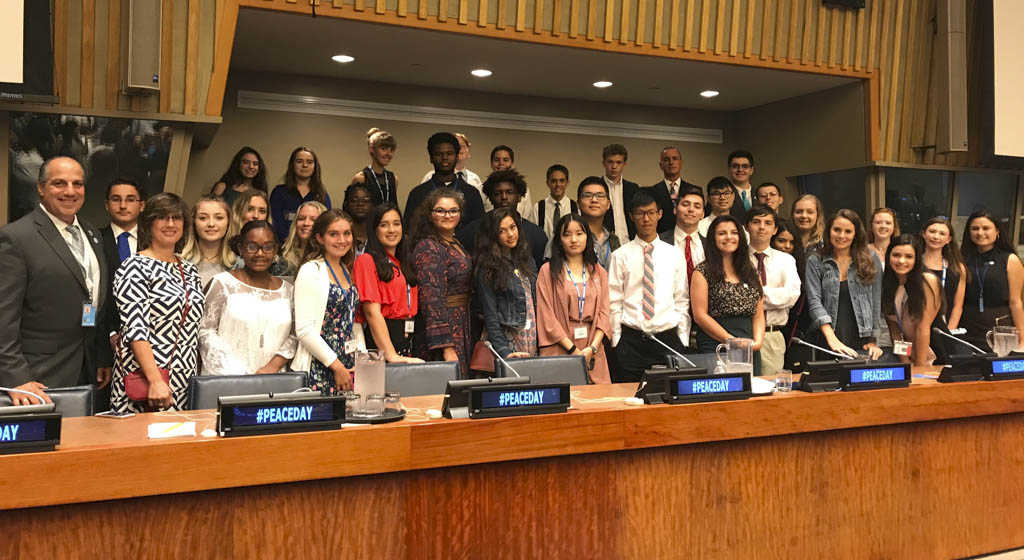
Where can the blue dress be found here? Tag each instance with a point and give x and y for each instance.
(337, 330)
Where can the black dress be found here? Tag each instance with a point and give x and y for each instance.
(987, 296)
(382, 186)
(949, 281)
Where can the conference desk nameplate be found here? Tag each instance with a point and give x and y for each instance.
(521, 400)
(29, 433)
(705, 387)
(248, 416)
(1011, 367)
(876, 376)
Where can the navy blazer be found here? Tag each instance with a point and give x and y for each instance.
(629, 188)
(668, 210)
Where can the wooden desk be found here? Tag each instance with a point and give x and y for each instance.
(931, 471)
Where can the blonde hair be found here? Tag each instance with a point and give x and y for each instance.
(463, 138)
(241, 205)
(819, 223)
(191, 250)
(376, 137)
(294, 246)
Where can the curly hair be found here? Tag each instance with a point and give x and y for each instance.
(491, 259)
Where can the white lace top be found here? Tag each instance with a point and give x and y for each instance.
(244, 327)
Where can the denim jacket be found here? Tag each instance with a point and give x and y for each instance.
(504, 308)
(821, 287)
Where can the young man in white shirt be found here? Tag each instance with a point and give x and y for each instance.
(689, 211)
(770, 195)
(615, 158)
(741, 169)
(547, 212)
(649, 295)
(780, 282)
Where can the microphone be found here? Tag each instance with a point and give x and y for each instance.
(500, 359)
(43, 406)
(820, 349)
(649, 336)
(964, 342)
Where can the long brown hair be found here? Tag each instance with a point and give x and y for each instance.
(315, 249)
(819, 225)
(862, 257)
(316, 184)
(951, 252)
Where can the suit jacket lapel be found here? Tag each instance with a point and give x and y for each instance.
(59, 246)
(96, 241)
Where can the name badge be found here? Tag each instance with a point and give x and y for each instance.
(579, 333)
(88, 314)
(410, 326)
(351, 346)
(527, 325)
(902, 348)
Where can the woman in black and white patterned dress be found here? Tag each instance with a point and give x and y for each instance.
(159, 329)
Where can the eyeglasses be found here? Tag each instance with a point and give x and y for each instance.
(652, 214)
(444, 212)
(127, 200)
(254, 247)
(721, 194)
(593, 195)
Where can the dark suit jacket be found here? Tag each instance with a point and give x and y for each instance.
(472, 207)
(111, 320)
(668, 210)
(629, 188)
(41, 293)
(535, 236)
(737, 211)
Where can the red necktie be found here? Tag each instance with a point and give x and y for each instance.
(760, 268)
(689, 260)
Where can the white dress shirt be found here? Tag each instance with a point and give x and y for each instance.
(93, 280)
(671, 291)
(618, 210)
(782, 286)
(546, 222)
(133, 236)
(696, 245)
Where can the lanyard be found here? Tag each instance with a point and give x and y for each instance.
(981, 284)
(944, 267)
(387, 186)
(351, 309)
(903, 311)
(580, 299)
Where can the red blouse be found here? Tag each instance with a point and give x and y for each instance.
(396, 302)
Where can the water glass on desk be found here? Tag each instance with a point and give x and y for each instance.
(784, 381)
(374, 407)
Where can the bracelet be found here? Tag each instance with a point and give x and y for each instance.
(593, 349)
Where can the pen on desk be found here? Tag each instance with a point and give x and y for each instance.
(173, 427)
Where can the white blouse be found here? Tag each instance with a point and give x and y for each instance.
(244, 326)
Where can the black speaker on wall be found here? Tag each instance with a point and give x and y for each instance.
(856, 4)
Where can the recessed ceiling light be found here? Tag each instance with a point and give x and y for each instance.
(481, 73)
(602, 84)
(709, 93)
(343, 58)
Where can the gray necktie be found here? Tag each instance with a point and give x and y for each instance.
(78, 249)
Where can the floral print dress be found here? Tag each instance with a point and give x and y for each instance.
(337, 330)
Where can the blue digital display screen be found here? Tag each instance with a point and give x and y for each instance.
(1007, 366)
(526, 396)
(709, 386)
(878, 375)
(283, 414)
(25, 430)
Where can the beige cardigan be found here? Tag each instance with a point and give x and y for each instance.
(312, 286)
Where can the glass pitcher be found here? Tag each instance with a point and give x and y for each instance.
(738, 356)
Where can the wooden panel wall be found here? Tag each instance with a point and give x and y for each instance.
(90, 44)
(890, 43)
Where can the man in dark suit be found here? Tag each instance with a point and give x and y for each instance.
(443, 148)
(505, 189)
(124, 203)
(741, 169)
(54, 286)
(666, 192)
(620, 192)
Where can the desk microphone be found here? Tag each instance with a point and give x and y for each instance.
(964, 342)
(649, 336)
(824, 350)
(500, 359)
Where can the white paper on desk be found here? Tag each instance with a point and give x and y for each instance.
(760, 386)
(160, 430)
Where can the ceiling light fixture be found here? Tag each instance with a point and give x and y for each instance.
(343, 58)
(602, 84)
(709, 93)
(481, 73)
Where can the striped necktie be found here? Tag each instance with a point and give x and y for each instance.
(648, 305)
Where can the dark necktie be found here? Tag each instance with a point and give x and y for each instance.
(557, 216)
(123, 249)
(689, 259)
(760, 268)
